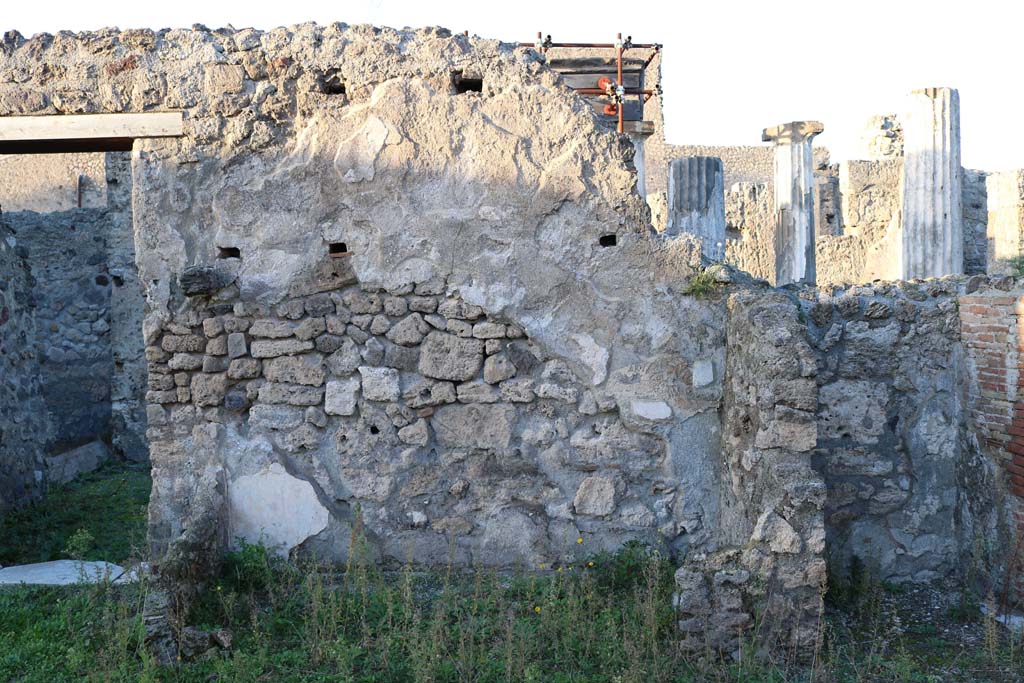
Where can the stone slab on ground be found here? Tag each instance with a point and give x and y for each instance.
(62, 468)
(60, 573)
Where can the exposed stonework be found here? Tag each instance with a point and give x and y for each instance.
(451, 311)
(1005, 226)
(891, 439)
(24, 423)
(769, 559)
(53, 182)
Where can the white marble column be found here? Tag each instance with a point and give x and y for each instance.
(696, 202)
(932, 227)
(794, 199)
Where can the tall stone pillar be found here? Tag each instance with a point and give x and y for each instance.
(696, 202)
(794, 199)
(932, 232)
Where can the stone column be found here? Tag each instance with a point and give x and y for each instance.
(794, 199)
(696, 202)
(932, 232)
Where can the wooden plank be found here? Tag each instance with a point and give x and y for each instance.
(91, 126)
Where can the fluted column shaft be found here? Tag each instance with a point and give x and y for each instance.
(696, 202)
(932, 223)
(794, 200)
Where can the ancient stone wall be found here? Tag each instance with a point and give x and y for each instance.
(889, 428)
(24, 424)
(67, 255)
(369, 291)
(990, 326)
(52, 182)
(438, 421)
(769, 559)
(975, 210)
(1005, 221)
(750, 229)
(291, 160)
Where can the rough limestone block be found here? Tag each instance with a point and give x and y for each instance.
(379, 384)
(215, 363)
(68, 465)
(236, 345)
(459, 309)
(183, 343)
(409, 331)
(489, 330)
(218, 346)
(341, 396)
(213, 327)
(279, 347)
(477, 392)
(244, 368)
(310, 328)
(306, 369)
(428, 393)
(208, 389)
(595, 496)
(221, 79)
(272, 329)
(777, 533)
(361, 303)
(275, 416)
(416, 434)
(474, 425)
(185, 361)
(345, 360)
(519, 390)
(444, 356)
(293, 394)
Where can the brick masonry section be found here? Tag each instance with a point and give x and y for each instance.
(991, 330)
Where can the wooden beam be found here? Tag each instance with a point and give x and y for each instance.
(91, 126)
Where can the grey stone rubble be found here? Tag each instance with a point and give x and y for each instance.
(351, 285)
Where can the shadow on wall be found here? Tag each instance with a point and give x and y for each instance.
(87, 308)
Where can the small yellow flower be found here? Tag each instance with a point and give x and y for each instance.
(579, 540)
(542, 565)
(561, 568)
(590, 564)
(537, 609)
(218, 587)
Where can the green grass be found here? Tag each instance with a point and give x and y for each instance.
(605, 620)
(108, 505)
(704, 282)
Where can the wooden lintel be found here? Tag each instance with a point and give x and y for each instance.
(82, 127)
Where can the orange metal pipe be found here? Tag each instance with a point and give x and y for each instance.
(619, 76)
(601, 91)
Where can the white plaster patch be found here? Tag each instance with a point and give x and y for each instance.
(357, 156)
(703, 373)
(274, 508)
(594, 356)
(650, 410)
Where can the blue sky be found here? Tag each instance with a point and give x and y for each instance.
(731, 67)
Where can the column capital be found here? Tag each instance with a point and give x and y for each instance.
(934, 93)
(792, 132)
